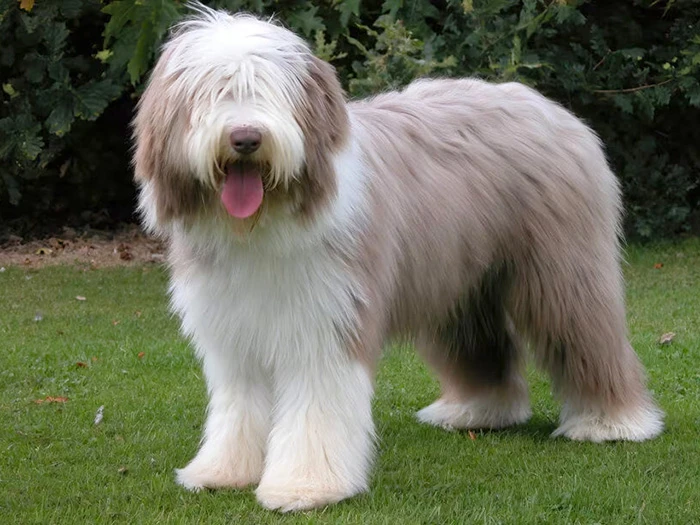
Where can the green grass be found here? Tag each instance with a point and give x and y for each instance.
(56, 466)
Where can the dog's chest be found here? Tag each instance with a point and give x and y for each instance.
(270, 306)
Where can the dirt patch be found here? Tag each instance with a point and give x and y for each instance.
(128, 246)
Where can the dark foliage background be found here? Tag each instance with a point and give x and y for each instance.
(71, 71)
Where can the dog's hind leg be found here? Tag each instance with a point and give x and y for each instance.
(478, 359)
(574, 309)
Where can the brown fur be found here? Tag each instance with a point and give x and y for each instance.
(324, 122)
(438, 231)
(156, 156)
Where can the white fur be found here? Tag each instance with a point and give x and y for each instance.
(320, 447)
(494, 409)
(235, 71)
(638, 423)
(233, 445)
(147, 209)
(266, 316)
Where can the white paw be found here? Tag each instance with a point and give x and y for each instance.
(475, 414)
(300, 495)
(204, 473)
(642, 423)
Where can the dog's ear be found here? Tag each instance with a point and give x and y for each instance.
(167, 190)
(324, 121)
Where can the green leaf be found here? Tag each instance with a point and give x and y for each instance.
(71, 8)
(633, 52)
(122, 49)
(392, 7)
(104, 55)
(663, 95)
(306, 21)
(121, 13)
(34, 68)
(165, 17)
(348, 8)
(516, 50)
(92, 98)
(135, 27)
(142, 53)
(30, 22)
(10, 90)
(55, 36)
(60, 119)
(566, 13)
(59, 73)
(30, 146)
(624, 102)
(694, 97)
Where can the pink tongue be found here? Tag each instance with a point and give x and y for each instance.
(243, 191)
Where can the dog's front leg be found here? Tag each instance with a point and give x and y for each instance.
(232, 451)
(321, 443)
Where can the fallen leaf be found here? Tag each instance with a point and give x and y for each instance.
(44, 251)
(141, 354)
(94, 359)
(667, 338)
(658, 266)
(115, 322)
(125, 256)
(27, 5)
(80, 298)
(51, 399)
(123, 470)
(472, 435)
(81, 364)
(27, 261)
(99, 415)
(138, 313)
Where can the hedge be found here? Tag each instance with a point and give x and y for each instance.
(71, 71)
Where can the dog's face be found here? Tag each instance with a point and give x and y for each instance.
(238, 116)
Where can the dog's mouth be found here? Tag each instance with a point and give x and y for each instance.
(243, 189)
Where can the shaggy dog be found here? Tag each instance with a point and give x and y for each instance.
(306, 231)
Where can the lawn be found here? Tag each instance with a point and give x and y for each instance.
(119, 348)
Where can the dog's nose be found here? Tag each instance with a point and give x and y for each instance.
(245, 140)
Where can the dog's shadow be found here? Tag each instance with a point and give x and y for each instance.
(538, 428)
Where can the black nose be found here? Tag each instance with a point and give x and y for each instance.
(245, 140)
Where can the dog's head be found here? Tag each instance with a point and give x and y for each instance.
(238, 116)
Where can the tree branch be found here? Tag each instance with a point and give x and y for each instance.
(631, 90)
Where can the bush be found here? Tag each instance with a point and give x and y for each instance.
(72, 69)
